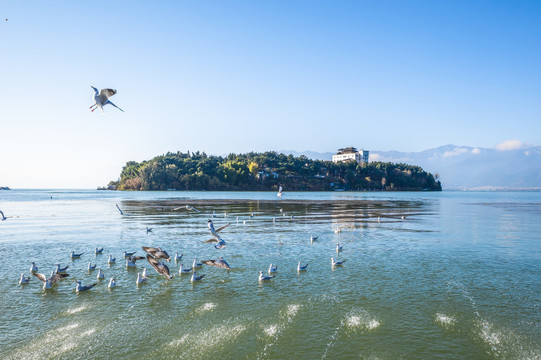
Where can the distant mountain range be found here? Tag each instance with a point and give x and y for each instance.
(466, 168)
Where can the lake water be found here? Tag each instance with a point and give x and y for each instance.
(446, 275)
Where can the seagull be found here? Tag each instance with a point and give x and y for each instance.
(280, 193)
(80, 287)
(191, 208)
(100, 274)
(98, 251)
(264, 277)
(157, 253)
(3, 217)
(112, 283)
(160, 267)
(102, 98)
(48, 282)
(59, 269)
(178, 257)
(121, 212)
(111, 260)
(144, 273)
(128, 254)
(213, 214)
(130, 261)
(91, 267)
(338, 247)
(184, 270)
(24, 279)
(220, 262)
(33, 267)
(336, 262)
(141, 279)
(301, 267)
(274, 220)
(196, 278)
(221, 244)
(379, 219)
(75, 256)
(272, 269)
(149, 229)
(195, 264)
(313, 238)
(213, 231)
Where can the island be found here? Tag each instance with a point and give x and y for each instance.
(268, 171)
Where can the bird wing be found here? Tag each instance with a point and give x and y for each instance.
(213, 240)
(209, 262)
(162, 254)
(222, 227)
(107, 93)
(57, 277)
(110, 103)
(40, 276)
(150, 250)
(158, 266)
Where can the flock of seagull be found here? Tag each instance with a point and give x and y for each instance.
(157, 258)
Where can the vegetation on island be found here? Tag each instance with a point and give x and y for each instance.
(268, 171)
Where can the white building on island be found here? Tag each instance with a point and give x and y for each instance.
(351, 153)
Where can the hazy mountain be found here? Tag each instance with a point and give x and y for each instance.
(463, 167)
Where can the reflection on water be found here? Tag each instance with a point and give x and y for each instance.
(448, 275)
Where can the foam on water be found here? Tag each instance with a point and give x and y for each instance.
(445, 320)
(271, 330)
(293, 309)
(206, 307)
(360, 320)
(76, 310)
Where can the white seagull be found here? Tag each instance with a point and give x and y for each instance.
(80, 287)
(130, 261)
(280, 193)
(102, 98)
(264, 277)
(33, 267)
(178, 257)
(184, 270)
(313, 238)
(98, 251)
(141, 279)
(112, 283)
(100, 274)
(144, 273)
(111, 260)
(91, 267)
(128, 254)
(24, 279)
(59, 269)
(196, 264)
(336, 262)
(272, 269)
(73, 255)
(190, 208)
(301, 267)
(338, 247)
(48, 282)
(196, 278)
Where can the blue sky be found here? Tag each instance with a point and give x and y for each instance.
(239, 76)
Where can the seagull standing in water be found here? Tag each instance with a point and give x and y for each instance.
(184, 270)
(33, 267)
(264, 277)
(24, 279)
(196, 278)
(98, 251)
(336, 262)
(111, 260)
(91, 267)
(301, 267)
(48, 282)
(338, 247)
(112, 283)
(280, 193)
(272, 269)
(102, 98)
(80, 287)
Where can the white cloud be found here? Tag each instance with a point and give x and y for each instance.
(476, 151)
(455, 152)
(376, 157)
(510, 145)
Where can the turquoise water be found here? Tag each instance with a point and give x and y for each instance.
(449, 275)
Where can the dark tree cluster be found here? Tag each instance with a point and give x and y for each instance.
(267, 171)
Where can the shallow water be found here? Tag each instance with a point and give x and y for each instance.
(449, 275)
